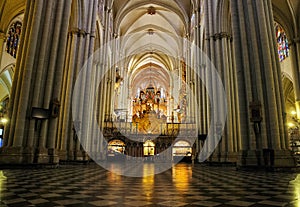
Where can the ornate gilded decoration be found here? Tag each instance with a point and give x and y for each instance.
(149, 111)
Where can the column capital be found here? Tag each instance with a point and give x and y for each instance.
(77, 31)
(108, 10)
(221, 35)
(197, 10)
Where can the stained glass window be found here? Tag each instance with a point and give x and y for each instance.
(13, 38)
(282, 43)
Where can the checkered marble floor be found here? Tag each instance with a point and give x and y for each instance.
(183, 185)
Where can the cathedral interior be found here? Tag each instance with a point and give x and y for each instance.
(173, 92)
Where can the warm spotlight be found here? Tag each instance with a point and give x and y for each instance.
(290, 125)
(4, 120)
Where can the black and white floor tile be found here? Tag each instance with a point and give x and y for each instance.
(183, 185)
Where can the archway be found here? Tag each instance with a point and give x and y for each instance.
(6, 78)
(182, 150)
(291, 115)
(115, 148)
(7, 66)
(149, 148)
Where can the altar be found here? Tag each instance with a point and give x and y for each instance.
(149, 111)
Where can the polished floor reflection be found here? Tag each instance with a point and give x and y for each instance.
(183, 185)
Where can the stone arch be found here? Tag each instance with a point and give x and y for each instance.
(281, 19)
(149, 148)
(6, 78)
(180, 12)
(290, 64)
(289, 95)
(8, 62)
(9, 15)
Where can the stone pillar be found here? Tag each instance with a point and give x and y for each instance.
(65, 137)
(212, 64)
(227, 148)
(11, 152)
(107, 64)
(296, 72)
(37, 83)
(86, 109)
(198, 109)
(260, 100)
(103, 98)
(17, 75)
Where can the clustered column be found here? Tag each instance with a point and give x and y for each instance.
(31, 138)
(260, 99)
(214, 67)
(229, 144)
(106, 79)
(295, 48)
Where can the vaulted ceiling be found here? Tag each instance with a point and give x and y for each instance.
(152, 31)
(153, 28)
(287, 13)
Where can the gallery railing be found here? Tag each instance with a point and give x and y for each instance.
(111, 128)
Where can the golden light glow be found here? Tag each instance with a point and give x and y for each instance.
(293, 113)
(149, 147)
(291, 125)
(114, 178)
(4, 120)
(181, 178)
(2, 179)
(1, 186)
(116, 147)
(148, 181)
(296, 184)
(182, 148)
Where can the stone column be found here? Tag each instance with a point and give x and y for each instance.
(222, 41)
(41, 148)
(296, 73)
(86, 107)
(261, 121)
(101, 83)
(106, 64)
(197, 84)
(8, 139)
(65, 137)
(13, 150)
(212, 64)
(37, 83)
